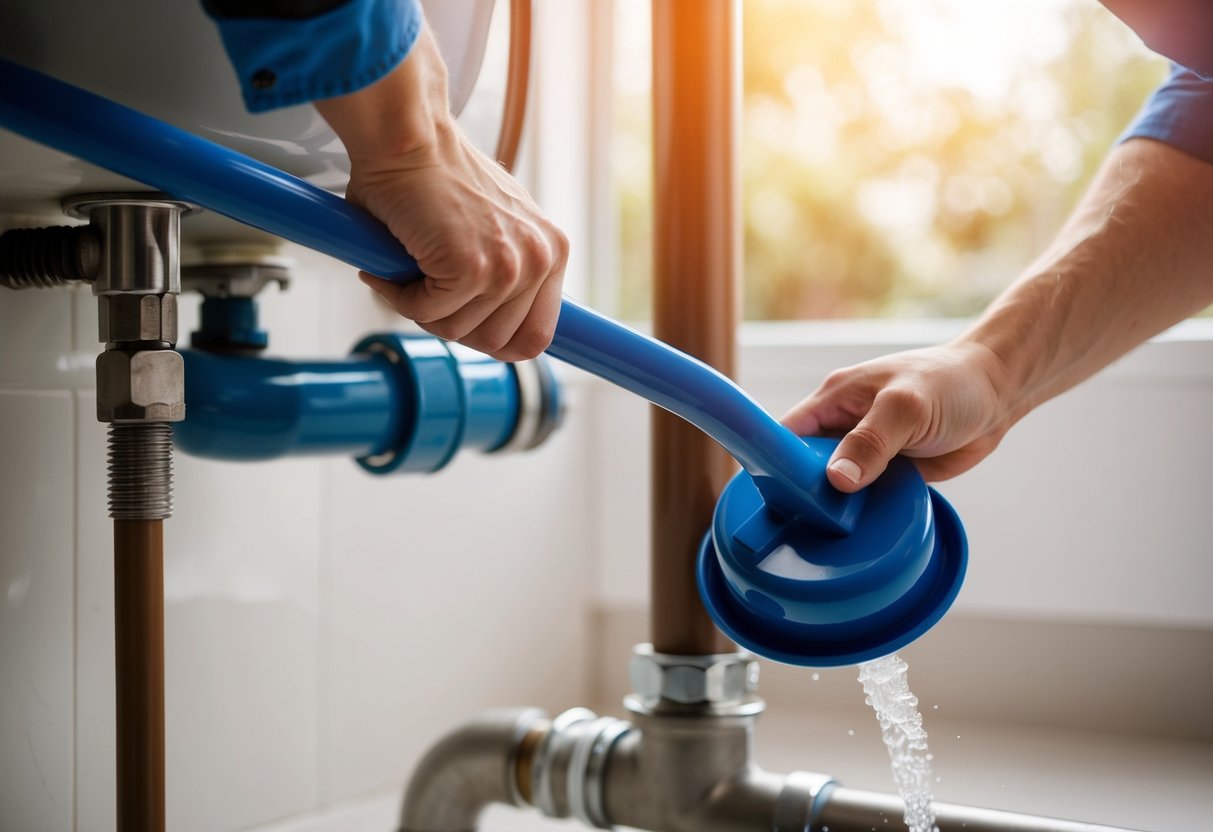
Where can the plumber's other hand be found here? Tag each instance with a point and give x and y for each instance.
(493, 263)
(938, 405)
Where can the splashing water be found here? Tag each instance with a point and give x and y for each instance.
(888, 692)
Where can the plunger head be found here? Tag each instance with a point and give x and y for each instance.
(800, 595)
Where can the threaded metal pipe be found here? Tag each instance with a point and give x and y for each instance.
(141, 470)
(40, 258)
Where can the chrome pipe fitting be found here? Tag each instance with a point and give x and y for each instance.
(683, 764)
(140, 470)
(540, 405)
(470, 768)
(140, 240)
(140, 377)
(722, 680)
(567, 770)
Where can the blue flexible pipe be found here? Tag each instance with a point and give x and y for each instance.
(790, 475)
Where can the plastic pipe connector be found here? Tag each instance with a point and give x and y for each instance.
(400, 403)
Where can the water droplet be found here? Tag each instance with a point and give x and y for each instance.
(850, 732)
(935, 707)
(816, 677)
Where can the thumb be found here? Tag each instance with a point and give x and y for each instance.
(895, 418)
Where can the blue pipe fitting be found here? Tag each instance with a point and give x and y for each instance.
(400, 403)
(249, 408)
(455, 397)
(796, 594)
(229, 325)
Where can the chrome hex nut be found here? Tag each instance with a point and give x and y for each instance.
(127, 317)
(143, 386)
(718, 679)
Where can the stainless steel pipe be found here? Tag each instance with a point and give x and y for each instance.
(467, 770)
(851, 810)
(678, 766)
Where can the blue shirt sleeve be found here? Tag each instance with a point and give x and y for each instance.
(284, 61)
(1178, 113)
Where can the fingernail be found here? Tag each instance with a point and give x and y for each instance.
(847, 468)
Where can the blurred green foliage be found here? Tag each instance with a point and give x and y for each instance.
(900, 157)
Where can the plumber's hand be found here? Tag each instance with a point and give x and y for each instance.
(937, 405)
(493, 264)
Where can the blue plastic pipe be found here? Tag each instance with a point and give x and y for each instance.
(251, 408)
(789, 475)
(412, 414)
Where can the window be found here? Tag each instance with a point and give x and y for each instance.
(900, 158)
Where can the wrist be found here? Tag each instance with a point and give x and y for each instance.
(403, 116)
(985, 351)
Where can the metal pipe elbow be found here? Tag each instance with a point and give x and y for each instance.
(468, 769)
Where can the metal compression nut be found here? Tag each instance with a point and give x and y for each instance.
(142, 386)
(126, 318)
(722, 678)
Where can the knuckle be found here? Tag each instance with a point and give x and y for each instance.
(539, 252)
(531, 341)
(560, 247)
(836, 378)
(908, 403)
(505, 265)
(489, 343)
(869, 442)
(443, 329)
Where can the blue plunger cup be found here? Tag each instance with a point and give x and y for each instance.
(796, 593)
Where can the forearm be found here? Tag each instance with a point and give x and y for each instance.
(1135, 257)
(404, 112)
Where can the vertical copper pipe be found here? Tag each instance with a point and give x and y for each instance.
(139, 642)
(513, 110)
(696, 248)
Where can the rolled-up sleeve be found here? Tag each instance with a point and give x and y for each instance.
(282, 58)
(1178, 113)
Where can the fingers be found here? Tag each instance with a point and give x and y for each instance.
(518, 329)
(488, 254)
(837, 404)
(897, 417)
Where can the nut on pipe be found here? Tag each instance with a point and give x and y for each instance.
(140, 385)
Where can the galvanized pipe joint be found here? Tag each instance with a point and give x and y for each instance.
(684, 763)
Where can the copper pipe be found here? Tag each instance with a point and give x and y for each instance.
(139, 643)
(696, 259)
(513, 111)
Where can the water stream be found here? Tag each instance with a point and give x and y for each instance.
(888, 692)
